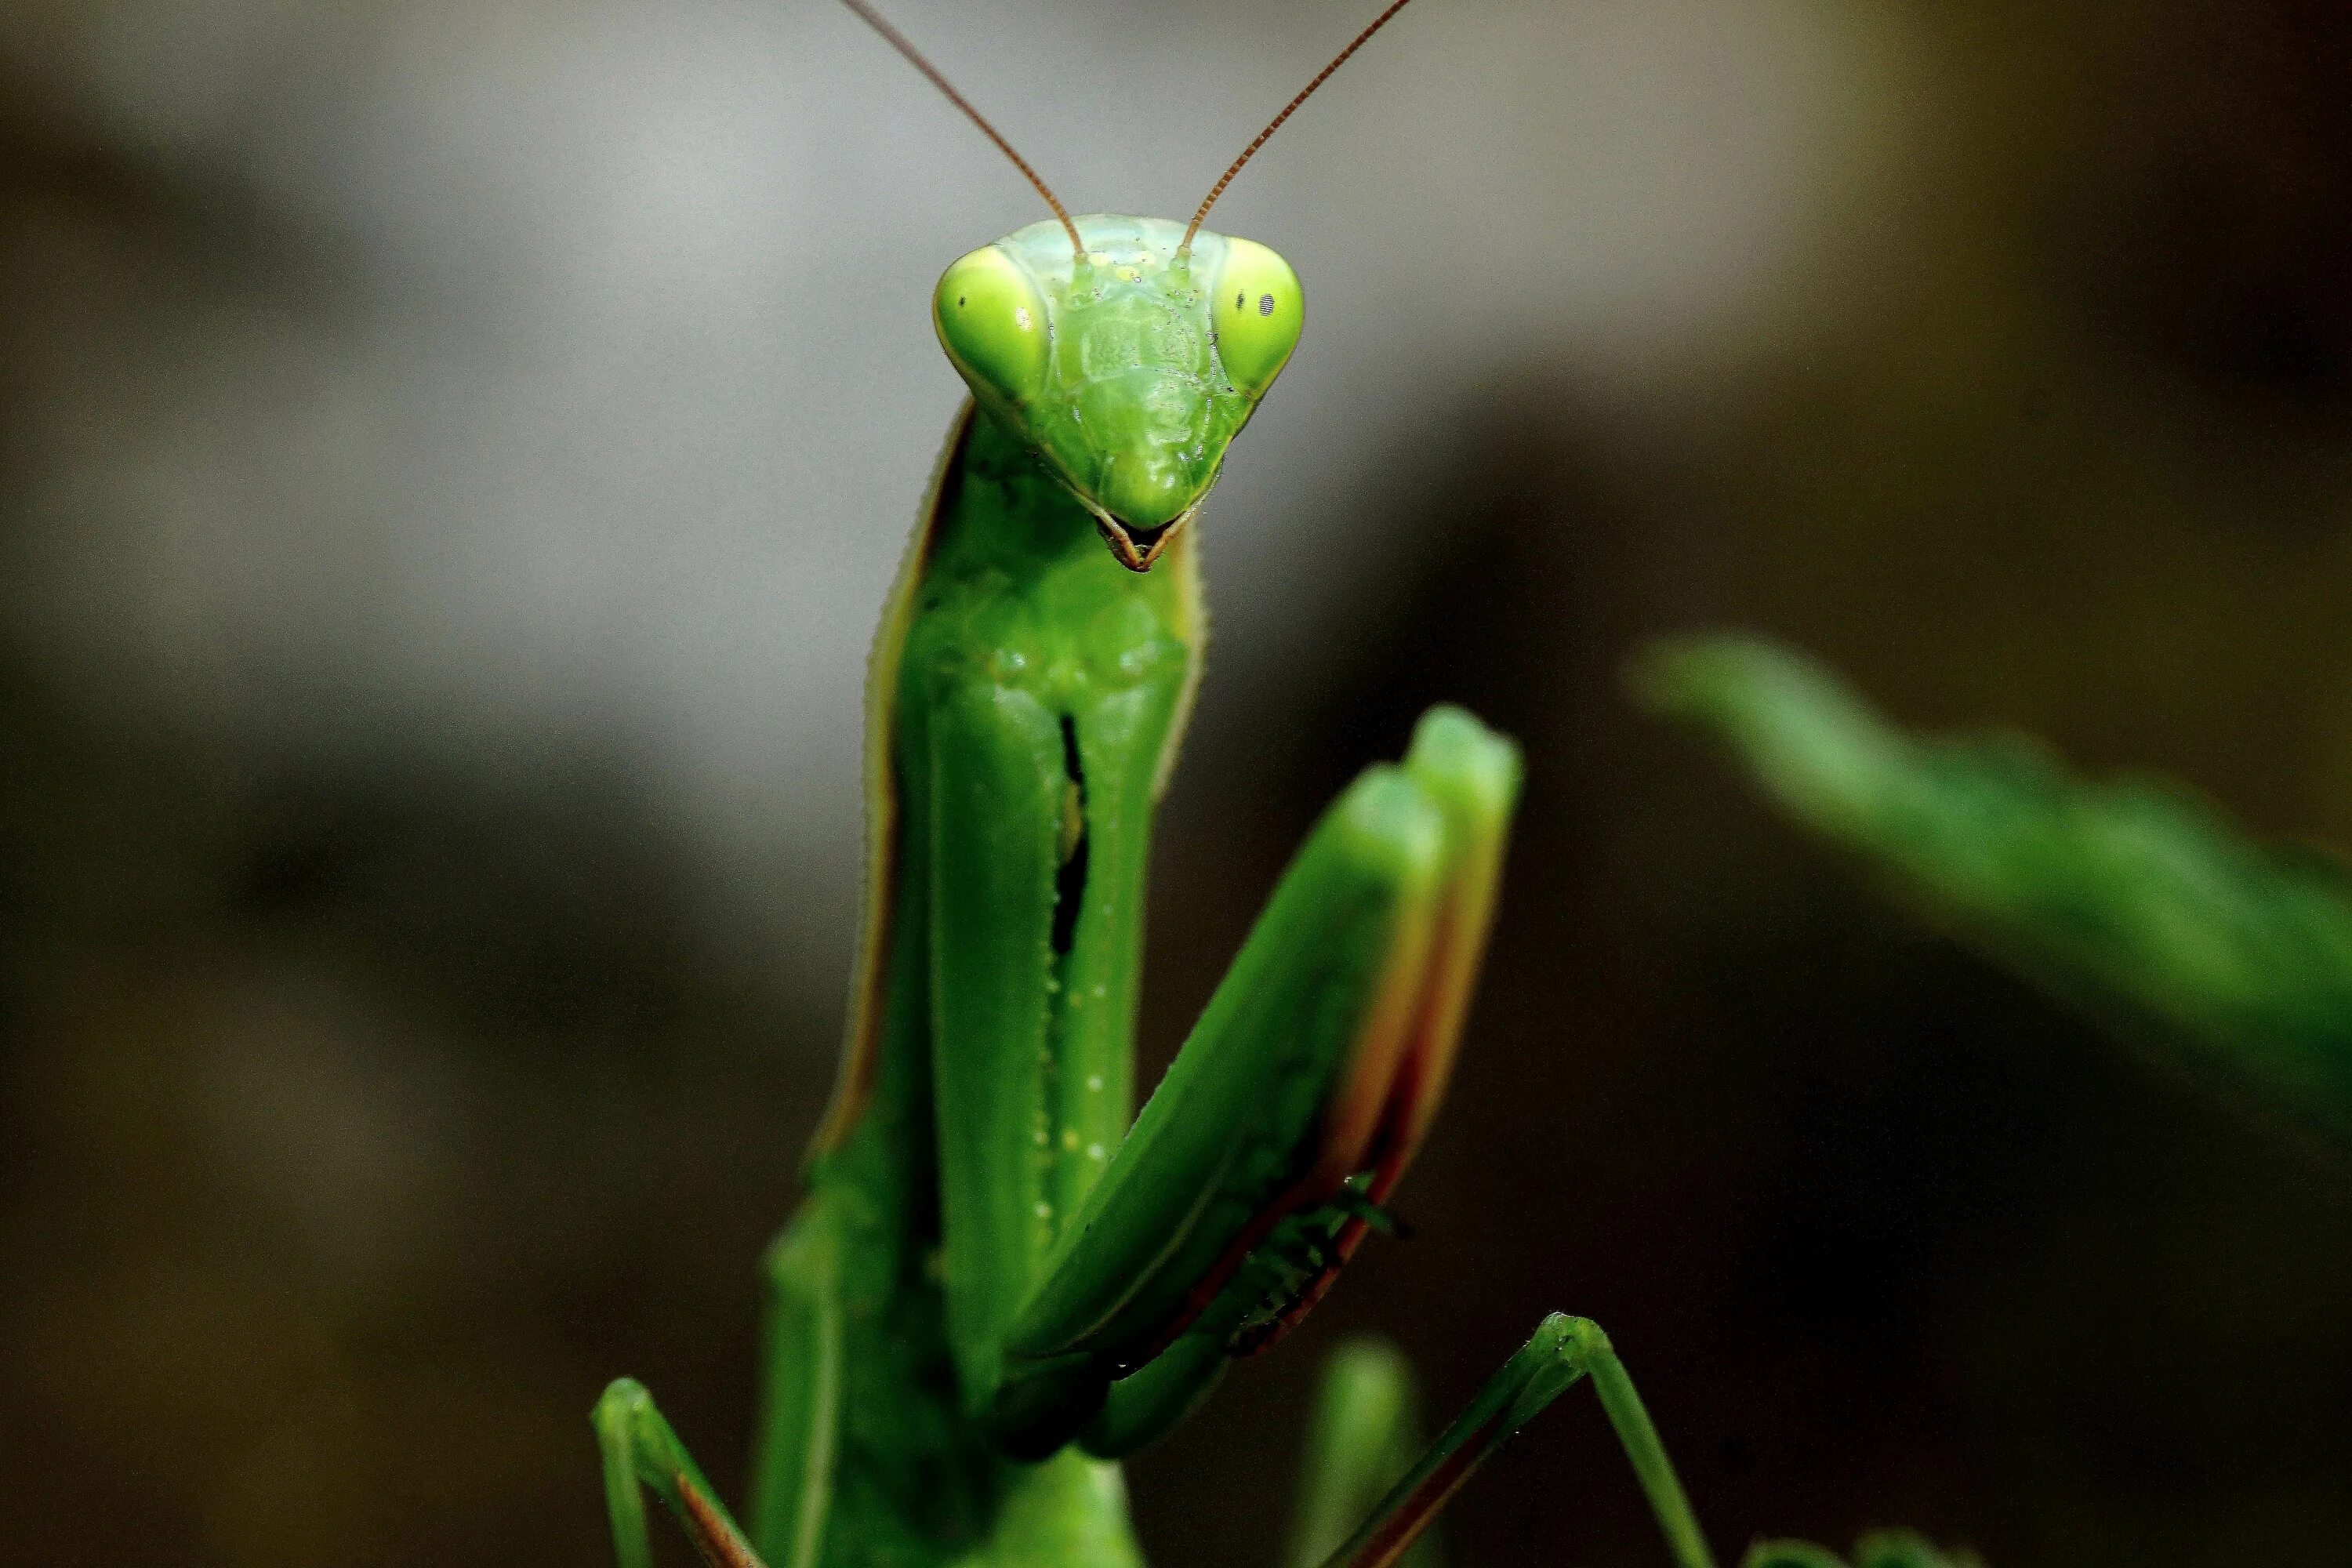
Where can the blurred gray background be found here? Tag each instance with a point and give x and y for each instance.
(450, 459)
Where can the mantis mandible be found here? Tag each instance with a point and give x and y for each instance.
(997, 1286)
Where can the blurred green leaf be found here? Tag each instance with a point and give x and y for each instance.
(2127, 896)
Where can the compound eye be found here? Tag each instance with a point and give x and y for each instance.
(991, 320)
(1257, 310)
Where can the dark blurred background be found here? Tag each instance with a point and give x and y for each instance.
(450, 456)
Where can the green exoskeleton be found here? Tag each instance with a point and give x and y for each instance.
(997, 1284)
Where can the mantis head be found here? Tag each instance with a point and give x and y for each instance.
(1127, 362)
(1126, 353)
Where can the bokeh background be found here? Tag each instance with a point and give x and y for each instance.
(450, 456)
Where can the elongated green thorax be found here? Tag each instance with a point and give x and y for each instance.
(1128, 369)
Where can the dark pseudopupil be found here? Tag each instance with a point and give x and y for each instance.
(1266, 304)
(1237, 301)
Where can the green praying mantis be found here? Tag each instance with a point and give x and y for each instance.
(997, 1286)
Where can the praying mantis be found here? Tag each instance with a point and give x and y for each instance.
(997, 1286)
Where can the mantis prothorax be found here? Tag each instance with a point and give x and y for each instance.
(997, 1285)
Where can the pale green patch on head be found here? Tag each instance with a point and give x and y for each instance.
(1127, 370)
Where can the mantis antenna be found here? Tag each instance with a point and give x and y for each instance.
(1272, 125)
(899, 41)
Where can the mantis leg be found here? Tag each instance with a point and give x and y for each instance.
(1141, 1408)
(641, 1452)
(1564, 1352)
(800, 1416)
(1360, 1442)
(1297, 1098)
(999, 794)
